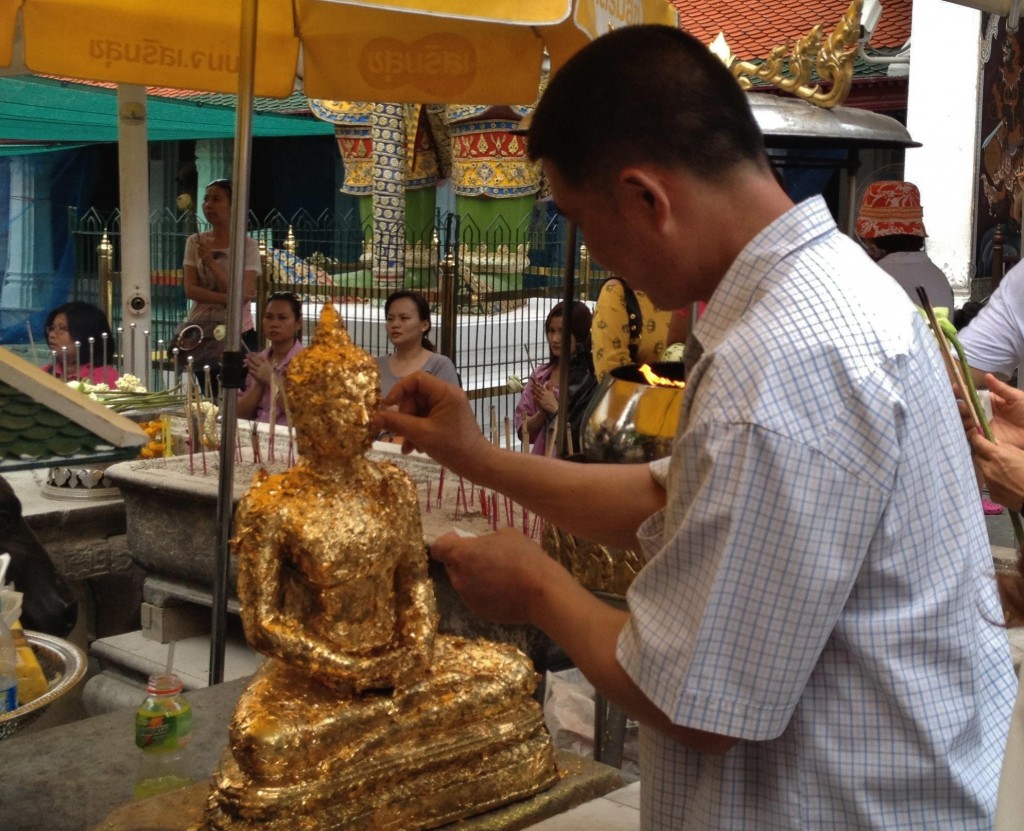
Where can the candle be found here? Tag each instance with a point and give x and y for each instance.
(64, 361)
(160, 372)
(131, 355)
(119, 358)
(92, 357)
(103, 337)
(175, 356)
(78, 360)
(53, 362)
(202, 434)
(207, 381)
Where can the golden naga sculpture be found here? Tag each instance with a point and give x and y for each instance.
(791, 65)
(362, 716)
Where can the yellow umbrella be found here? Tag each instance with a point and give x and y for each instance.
(444, 51)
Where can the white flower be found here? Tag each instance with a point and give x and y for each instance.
(129, 383)
(514, 383)
(220, 331)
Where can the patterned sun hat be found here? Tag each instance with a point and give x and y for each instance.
(889, 208)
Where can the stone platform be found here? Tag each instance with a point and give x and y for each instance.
(80, 776)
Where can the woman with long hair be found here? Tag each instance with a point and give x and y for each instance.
(408, 324)
(264, 387)
(538, 405)
(207, 265)
(81, 344)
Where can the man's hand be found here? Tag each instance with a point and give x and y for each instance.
(496, 575)
(434, 418)
(1002, 465)
(1007, 411)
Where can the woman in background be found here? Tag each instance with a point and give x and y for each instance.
(538, 405)
(408, 324)
(206, 265)
(264, 386)
(68, 330)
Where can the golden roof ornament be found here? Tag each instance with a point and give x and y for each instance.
(790, 66)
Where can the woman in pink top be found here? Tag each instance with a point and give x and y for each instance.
(81, 344)
(263, 398)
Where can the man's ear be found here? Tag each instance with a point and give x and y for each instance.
(644, 190)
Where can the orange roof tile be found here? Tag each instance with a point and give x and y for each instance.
(752, 32)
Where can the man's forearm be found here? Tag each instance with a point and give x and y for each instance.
(604, 503)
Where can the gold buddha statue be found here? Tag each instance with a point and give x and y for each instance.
(362, 716)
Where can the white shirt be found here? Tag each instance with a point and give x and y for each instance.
(817, 584)
(994, 340)
(914, 268)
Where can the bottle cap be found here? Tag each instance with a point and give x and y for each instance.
(163, 684)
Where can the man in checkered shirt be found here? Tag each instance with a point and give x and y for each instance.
(810, 643)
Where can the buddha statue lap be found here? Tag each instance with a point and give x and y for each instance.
(362, 716)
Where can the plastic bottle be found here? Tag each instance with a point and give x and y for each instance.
(8, 666)
(8, 653)
(163, 730)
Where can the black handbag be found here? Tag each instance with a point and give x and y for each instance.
(198, 340)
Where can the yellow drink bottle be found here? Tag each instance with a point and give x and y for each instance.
(163, 730)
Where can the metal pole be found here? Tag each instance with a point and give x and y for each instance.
(568, 296)
(448, 282)
(232, 358)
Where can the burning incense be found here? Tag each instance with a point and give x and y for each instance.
(189, 418)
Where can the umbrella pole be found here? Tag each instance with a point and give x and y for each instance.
(568, 296)
(231, 371)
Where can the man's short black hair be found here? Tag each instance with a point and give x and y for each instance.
(645, 94)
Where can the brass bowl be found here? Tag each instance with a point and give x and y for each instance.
(629, 419)
(63, 665)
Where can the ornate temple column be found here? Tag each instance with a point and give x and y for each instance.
(28, 278)
(388, 122)
(391, 158)
(495, 185)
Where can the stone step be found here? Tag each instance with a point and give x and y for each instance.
(135, 656)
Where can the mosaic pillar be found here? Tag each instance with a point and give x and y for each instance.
(388, 123)
(28, 281)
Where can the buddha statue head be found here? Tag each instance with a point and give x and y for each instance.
(333, 390)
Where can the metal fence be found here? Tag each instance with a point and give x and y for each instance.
(497, 283)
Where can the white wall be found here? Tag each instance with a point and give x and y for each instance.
(942, 114)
